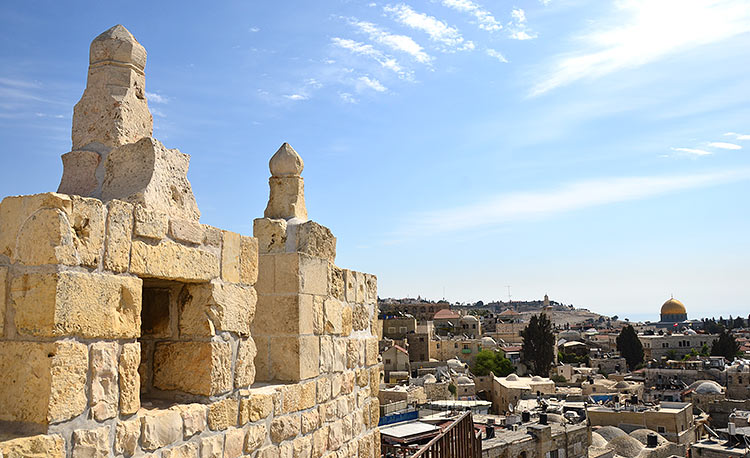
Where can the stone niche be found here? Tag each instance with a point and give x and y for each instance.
(129, 328)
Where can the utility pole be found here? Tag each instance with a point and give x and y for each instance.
(509, 299)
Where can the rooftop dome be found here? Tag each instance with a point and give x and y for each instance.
(463, 380)
(512, 378)
(622, 384)
(429, 378)
(488, 341)
(708, 388)
(536, 378)
(673, 307)
(469, 318)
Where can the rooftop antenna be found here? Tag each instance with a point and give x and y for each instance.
(443, 292)
(509, 299)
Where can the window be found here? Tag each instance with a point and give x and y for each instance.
(661, 429)
(391, 329)
(388, 361)
(455, 345)
(402, 329)
(421, 339)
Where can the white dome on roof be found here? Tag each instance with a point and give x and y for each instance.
(429, 378)
(512, 378)
(469, 318)
(691, 332)
(463, 380)
(455, 364)
(708, 388)
(488, 341)
(536, 378)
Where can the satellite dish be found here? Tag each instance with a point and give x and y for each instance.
(510, 407)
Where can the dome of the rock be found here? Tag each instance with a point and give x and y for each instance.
(673, 311)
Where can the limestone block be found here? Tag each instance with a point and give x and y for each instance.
(223, 414)
(91, 443)
(302, 447)
(212, 236)
(285, 427)
(3, 290)
(360, 317)
(258, 406)
(371, 289)
(256, 436)
(150, 224)
(189, 450)
(87, 220)
(374, 411)
(76, 304)
(234, 442)
(119, 235)
(127, 434)
(172, 261)
(347, 383)
(339, 354)
(79, 173)
(307, 395)
(212, 446)
(147, 173)
(263, 358)
(160, 428)
(46, 237)
(266, 274)
(336, 382)
(130, 380)
(376, 442)
(193, 418)
(371, 351)
(352, 353)
(310, 421)
(365, 447)
(202, 368)
(230, 256)
(248, 260)
(50, 386)
(271, 235)
(271, 451)
(286, 199)
(187, 231)
(244, 371)
(336, 435)
(375, 379)
(40, 446)
(326, 354)
(350, 286)
(346, 320)
(289, 314)
(105, 391)
(336, 286)
(316, 240)
(290, 398)
(216, 306)
(15, 210)
(320, 442)
(323, 389)
(332, 311)
(363, 377)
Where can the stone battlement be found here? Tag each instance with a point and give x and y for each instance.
(129, 328)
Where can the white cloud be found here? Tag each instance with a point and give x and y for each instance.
(401, 43)
(497, 55)
(520, 206)
(255, 29)
(518, 27)
(740, 137)
(643, 31)
(363, 49)
(347, 97)
(156, 98)
(439, 31)
(724, 145)
(371, 83)
(692, 151)
(296, 97)
(486, 20)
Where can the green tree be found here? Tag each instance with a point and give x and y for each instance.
(538, 345)
(630, 347)
(452, 389)
(494, 362)
(725, 346)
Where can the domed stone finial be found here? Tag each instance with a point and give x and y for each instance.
(117, 45)
(286, 162)
(287, 196)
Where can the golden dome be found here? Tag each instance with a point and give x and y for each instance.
(673, 307)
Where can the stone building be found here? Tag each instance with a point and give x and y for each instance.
(397, 327)
(128, 328)
(507, 391)
(395, 359)
(534, 440)
(673, 420)
(656, 346)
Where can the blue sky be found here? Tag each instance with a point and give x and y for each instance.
(594, 151)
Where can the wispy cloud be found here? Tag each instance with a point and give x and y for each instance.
(692, 151)
(724, 145)
(520, 206)
(363, 49)
(156, 97)
(255, 29)
(485, 19)
(346, 97)
(518, 27)
(371, 83)
(643, 31)
(496, 54)
(296, 97)
(438, 31)
(737, 136)
(400, 43)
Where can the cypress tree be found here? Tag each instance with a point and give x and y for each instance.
(630, 347)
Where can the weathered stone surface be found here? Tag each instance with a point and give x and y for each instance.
(320, 441)
(360, 317)
(248, 260)
(316, 240)
(336, 435)
(302, 447)
(202, 368)
(350, 289)
(104, 388)
(130, 380)
(193, 418)
(187, 231)
(352, 353)
(295, 358)
(79, 173)
(113, 110)
(160, 428)
(77, 304)
(307, 395)
(284, 427)
(119, 235)
(15, 210)
(189, 450)
(230, 256)
(91, 443)
(223, 414)
(371, 351)
(217, 306)
(346, 320)
(50, 385)
(244, 371)
(127, 434)
(87, 220)
(256, 436)
(212, 446)
(332, 312)
(310, 421)
(287, 198)
(318, 318)
(150, 224)
(339, 354)
(271, 235)
(46, 237)
(271, 451)
(371, 289)
(3, 290)
(336, 286)
(288, 314)
(40, 446)
(256, 407)
(234, 443)
(147, 173)
(172, 261)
